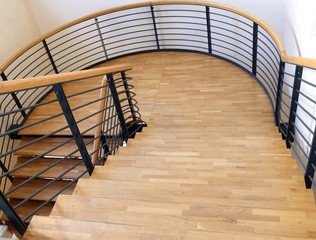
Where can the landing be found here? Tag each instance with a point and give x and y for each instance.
(210, 165)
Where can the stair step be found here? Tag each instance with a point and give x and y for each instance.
(199, 192)
(152, 174)
(60, 228)
(29, 188)
(55, 124)
(46, 144)
(147, 191)
(177, 215)
(29, 207)
(191, 216)
(42, 112)
(42, 163)
(163, 175)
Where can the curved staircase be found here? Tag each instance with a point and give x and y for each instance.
(216, 170)
(211, 165)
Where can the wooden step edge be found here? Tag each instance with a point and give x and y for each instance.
(41, 164)
(31, 187)
(46, 144)
(28, 207)
(63, 228)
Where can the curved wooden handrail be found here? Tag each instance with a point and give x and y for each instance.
(304, 62)
(252, 17)
(27, 83)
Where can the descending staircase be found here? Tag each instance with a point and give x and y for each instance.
(187, 176)
(37, 148)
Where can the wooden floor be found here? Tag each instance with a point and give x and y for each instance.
(210, 165)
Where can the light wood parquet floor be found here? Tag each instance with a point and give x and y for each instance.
(210, 165)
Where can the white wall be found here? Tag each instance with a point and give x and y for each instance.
(18, 27)
(300, 28)
(270, 11)
(51, 14)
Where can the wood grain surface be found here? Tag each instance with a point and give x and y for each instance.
(210, 165)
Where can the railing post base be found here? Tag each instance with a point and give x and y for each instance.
(308, 182)
(11, 214)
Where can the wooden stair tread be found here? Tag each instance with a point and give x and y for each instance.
(30, 206)
(57, 123)
(211, 175)
(200, 191)
(60, 228)
(52, 109)
(42, 163)
(46, 144)
(29, 188)
(198, 217)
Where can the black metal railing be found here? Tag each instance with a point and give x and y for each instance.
(206, 28)
(58, 146)
(296, 115)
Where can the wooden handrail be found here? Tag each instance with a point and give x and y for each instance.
(252, 17)
(98, 129)
(27, 83)
(304, 62)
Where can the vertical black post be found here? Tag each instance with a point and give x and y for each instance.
(14, 96)
(155, 27)
(128, 95)
(279, 94)
(208, 25)
(73, 126)
(118, 106)
(11, 214)
(101, 38)
(310, 171)
(295, 96)
(254, 48)
(50, 56)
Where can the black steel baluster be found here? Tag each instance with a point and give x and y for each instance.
(50, 56)
(118, 106)
(155, 27)
(11, 214)
(101, 38)
(208, 25)
(310, 171)
(73, 126)
(254, 48)
(279, 94)
(295, 96)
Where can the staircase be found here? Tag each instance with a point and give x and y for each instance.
(85, 117)
(210, 166)
(56, 149)
(38, 166)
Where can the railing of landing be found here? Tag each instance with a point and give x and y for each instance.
(87, 116)
(196, 26)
